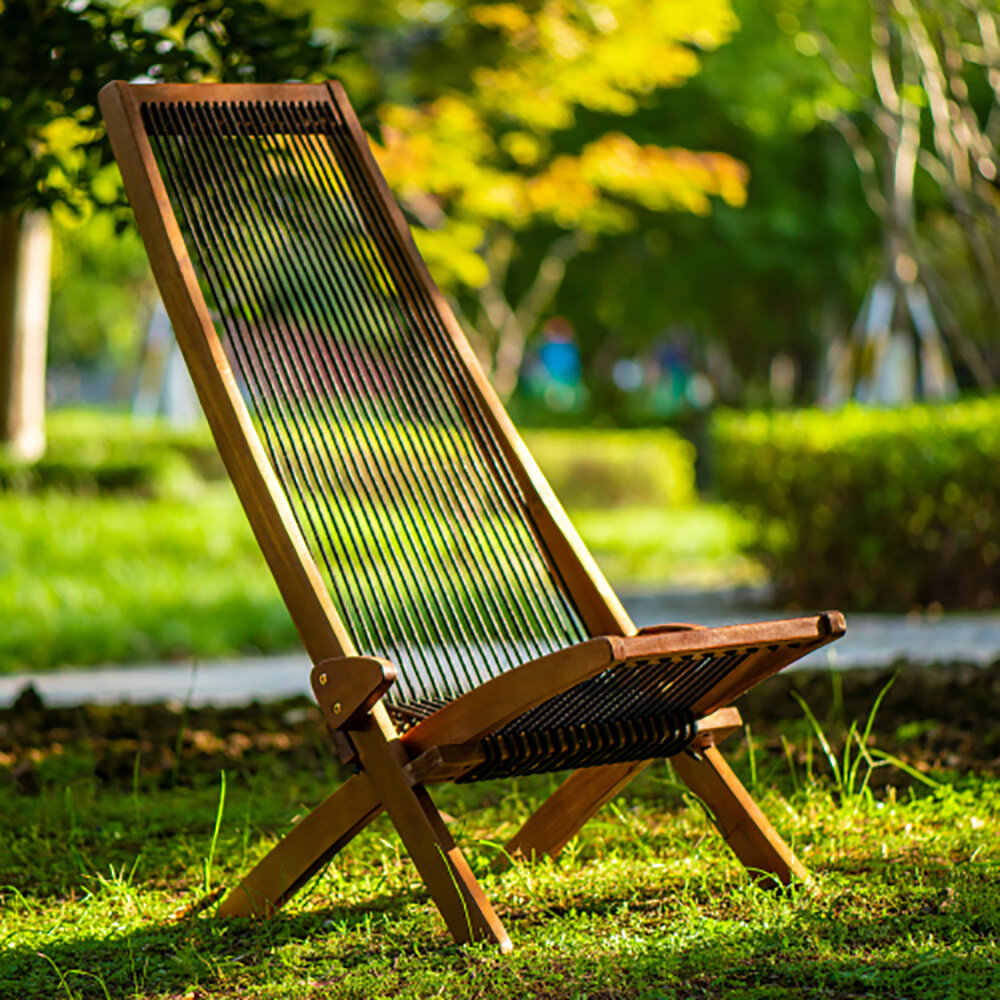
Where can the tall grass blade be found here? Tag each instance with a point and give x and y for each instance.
(215, 833)
(823, 741)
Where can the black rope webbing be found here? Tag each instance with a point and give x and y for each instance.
(635, 711)
(367, 414)
(232, 299)
(473, 565)
(293, 367)
(457, 376)
(452, 377)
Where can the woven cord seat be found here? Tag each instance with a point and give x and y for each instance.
(457, 626)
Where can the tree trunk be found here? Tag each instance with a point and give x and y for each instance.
(25, 255)
(512, 326)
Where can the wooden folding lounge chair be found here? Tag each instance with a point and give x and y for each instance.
(457, 626)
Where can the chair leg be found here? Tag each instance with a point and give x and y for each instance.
(559, 818)
(304, 850)
(454, 889)
(738, 818)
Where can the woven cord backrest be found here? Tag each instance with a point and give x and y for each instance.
(394, 473)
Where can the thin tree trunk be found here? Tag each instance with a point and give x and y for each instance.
(25, 255)
(517, 323)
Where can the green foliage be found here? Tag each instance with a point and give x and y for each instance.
(516, 161)
(102, 293)
(531, 131)
(783, 272)
(93, 452)
(680, 547)
(870, 509)
(57, 56)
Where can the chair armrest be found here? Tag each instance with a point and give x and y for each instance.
(349, 686)
(669, 627)
(483, 710)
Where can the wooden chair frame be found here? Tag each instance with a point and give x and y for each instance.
(395, 770)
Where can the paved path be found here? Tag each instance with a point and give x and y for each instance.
(871, 641)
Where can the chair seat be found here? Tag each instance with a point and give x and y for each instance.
(641, 707)
(517, 751)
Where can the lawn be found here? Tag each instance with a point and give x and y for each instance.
(109, 852)
(124, 578)
(120, 578)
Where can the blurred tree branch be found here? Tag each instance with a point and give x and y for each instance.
(926, 58)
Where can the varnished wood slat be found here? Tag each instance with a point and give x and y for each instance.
(714, 728)
(738, 818)
(150, 93)
(304, 850)
(821, 629)
(476, 714)
(597, 603)
(669, 627)
(255, 481)
(561, 816)
(444, 763)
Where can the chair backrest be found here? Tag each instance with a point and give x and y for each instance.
(365, 444)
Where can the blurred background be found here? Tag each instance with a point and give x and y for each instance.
(734, 267)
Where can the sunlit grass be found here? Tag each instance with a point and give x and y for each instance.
(92, 579)
(87, 579)
(101, 885)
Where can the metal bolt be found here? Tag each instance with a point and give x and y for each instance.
(322, 678)
(336, 708)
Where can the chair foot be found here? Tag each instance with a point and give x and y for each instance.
(738, 818)
(304, 850)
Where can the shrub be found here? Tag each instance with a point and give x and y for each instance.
(98, 452)
(90, 451)
(612, 468)
(871, 509)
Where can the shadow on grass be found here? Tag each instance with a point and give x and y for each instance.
(938, 943)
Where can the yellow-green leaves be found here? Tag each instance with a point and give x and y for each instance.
(500, 153)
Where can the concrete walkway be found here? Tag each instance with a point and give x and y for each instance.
(871, 641)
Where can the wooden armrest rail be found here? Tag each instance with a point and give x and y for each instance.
(476, 714)
(668, 627)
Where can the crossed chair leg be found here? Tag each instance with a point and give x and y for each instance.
(385, 783)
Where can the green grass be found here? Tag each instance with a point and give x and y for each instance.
(91, 579)
(88, 579)
(108, 838)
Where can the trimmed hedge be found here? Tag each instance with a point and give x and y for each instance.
(90, 451)
(880, 510)
(614, 468)
(99, 452)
